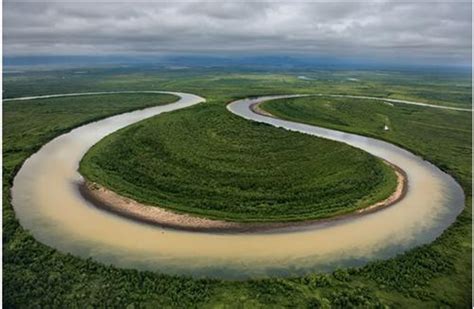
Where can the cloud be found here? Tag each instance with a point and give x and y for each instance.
(439, 31)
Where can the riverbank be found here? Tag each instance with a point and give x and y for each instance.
(106, 199)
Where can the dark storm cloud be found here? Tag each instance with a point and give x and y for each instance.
(421, 30)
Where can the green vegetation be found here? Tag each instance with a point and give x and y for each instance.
(209, 162)
(439, 136)
(431, 276)
(29, 124)
(446, 88)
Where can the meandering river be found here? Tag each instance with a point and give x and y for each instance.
(48, 204)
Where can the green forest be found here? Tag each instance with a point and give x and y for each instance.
(431, 276)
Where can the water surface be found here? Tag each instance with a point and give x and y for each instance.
(47, 203)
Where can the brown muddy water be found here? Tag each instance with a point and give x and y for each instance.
(47, 202)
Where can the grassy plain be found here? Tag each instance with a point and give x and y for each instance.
(434, 275)
(446, 88)
(211, 163)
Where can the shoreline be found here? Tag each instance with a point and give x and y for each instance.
(108, 200)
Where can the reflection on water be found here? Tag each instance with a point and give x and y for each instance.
(47, 203)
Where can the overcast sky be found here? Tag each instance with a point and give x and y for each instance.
(419, 30)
